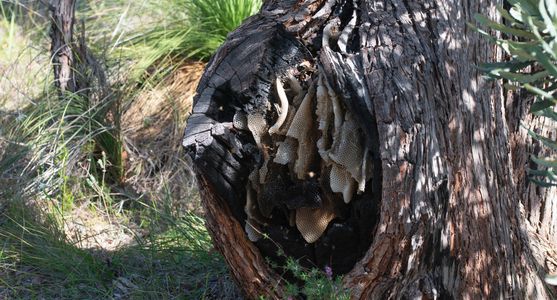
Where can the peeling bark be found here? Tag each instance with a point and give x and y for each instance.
(448, 211)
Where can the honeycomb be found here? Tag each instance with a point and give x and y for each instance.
(312, 222)
(258, 127)
(252, 231)
(345, 160)
(240, 121)
(300, 129)
(348, 149)
(342, 182)
(286, 152)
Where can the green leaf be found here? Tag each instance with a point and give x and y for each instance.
(544, 162)
(546, 18)
(508, 66)
(547, 142)
(544, 45)
(523, 77)
(543, 94)
(548, 113)
(505, 14)
(543, 183)
(533, 172)
(551, 279)
(523, 51)
(520, 7)
(502, 28)
(551, 7)
(541, 105)
(549, 174)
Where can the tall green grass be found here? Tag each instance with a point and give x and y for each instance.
(69, 142)
(22, 65)
(190, 29)
(38, 260)
(7, 39)
(62, 154)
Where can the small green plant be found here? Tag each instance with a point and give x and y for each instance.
(317, 284)
(528, 34)
(308, 283)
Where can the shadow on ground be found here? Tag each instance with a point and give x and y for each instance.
(38, 260)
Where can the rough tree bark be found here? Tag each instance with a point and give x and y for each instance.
(61, 34)
(446, 212)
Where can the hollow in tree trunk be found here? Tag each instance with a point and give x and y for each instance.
(359, 135)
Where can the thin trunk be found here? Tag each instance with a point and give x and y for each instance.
(448, 180)
(62, 43)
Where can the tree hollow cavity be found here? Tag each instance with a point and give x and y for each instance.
(283, 129)
(309, 194)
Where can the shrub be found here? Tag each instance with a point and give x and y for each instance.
(527, 33)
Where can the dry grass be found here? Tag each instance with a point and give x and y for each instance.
(145, 243)
(141, 237)
(23, 65)
(153, 129)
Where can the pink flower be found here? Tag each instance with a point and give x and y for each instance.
(329, 272)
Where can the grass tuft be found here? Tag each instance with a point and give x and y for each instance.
(97, 201)
(68, 139)
(38, 260)
(175, 258)
(190, 29)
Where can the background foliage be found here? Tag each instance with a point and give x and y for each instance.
(528, 35)
(87, 209)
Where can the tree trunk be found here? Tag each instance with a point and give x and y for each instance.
(441, 207)
(62, 43)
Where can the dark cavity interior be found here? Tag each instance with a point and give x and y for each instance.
(287, 135)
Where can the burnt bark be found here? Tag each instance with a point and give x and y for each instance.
(447, 210)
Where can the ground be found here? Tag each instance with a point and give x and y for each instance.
(146, 239)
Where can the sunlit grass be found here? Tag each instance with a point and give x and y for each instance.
(69, 142)
(37, 258)
(60, 154)
(23, 63)
(190, 29)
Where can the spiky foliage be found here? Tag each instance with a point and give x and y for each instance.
(188, 29)
(66, 141)
(528, 34)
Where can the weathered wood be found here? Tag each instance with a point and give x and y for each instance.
(441, 214)
(76, 69)
(247, 266)
(61, 34)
